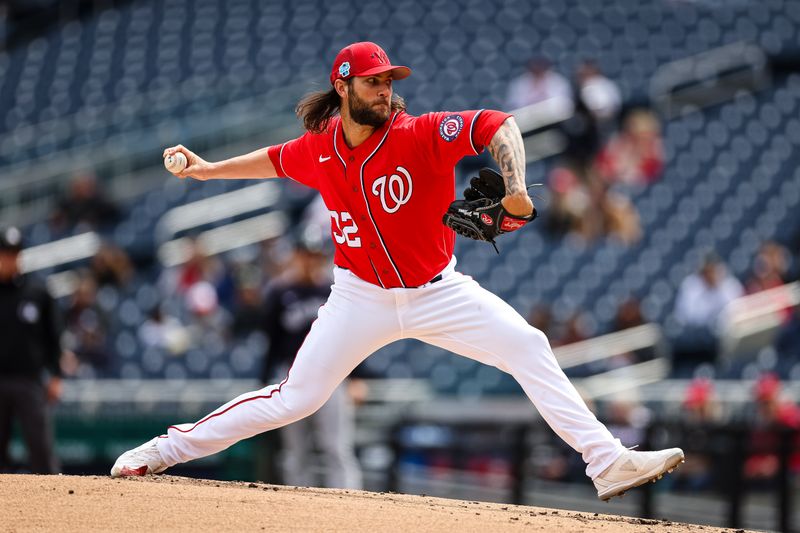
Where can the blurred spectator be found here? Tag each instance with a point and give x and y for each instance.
(84, 207)
(771, 408)
(111, 266)
(87, 326)
(248, 315)
(626, 418)
(583, 138)
(703, 295)
(770, 268)
(787, 341)
(772, 414)
(538, 83)
(568, 204)
(5, 26)
(207, 320)
(794, 250)
(30, 373)
(636, 154)
(699, 405)
(600, 95)
(699, 412)
(587, 207)
(629, 315)
(574, 329)
(701, 298)
(317, 219)
(291, 307)
(272, 258)
(198, 266)
(164, 331)
(611, 215)
(541, 317)
(249, 275)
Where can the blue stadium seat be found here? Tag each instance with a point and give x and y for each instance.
(731, 178)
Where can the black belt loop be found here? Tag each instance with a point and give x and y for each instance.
(437, 277)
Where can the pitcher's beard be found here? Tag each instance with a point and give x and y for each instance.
(364, 114)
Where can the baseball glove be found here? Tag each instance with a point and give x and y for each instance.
(481, 215)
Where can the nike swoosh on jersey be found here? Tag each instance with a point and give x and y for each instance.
(323, 159)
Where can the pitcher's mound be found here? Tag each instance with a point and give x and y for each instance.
(177, 504)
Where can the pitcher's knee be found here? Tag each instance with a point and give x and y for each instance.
(301, 406)
(538, 336)
(532, 339)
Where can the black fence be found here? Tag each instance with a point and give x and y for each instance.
(724, 461)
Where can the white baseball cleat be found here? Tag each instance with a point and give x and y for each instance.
(636, 468)
(139, 461)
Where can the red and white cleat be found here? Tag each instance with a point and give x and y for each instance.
(139, 461)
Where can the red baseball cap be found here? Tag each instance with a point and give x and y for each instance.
(767, 387)
(365, 59)
(698, 392)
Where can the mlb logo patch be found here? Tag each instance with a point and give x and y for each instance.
(450, 127)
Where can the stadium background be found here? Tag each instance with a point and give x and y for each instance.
(99, 88)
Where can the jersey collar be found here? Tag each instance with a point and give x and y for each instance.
(365, 148)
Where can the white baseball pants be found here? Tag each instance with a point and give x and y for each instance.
(358, 319)
(332, 431)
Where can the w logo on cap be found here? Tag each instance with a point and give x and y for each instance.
(380, 56)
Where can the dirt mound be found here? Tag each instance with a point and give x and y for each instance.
(176, 504)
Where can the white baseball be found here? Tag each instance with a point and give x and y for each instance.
(176, 162)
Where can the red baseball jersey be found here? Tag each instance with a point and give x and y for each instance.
(387, 196)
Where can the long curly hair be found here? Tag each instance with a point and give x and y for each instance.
(316, 109)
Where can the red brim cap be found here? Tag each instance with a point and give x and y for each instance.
(365, 59)
(398, 71)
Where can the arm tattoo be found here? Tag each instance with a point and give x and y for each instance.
(507, 149)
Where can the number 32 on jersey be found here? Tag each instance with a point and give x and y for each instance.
(344, 229)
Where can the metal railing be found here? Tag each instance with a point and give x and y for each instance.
(708, 78)
(538, 124)
(166, 395)
(60, 252)
(749, 322)
(215, 208)
(605, 346)
(126, 159)
(225, 238)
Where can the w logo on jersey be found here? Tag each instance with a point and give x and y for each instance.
(394, 191)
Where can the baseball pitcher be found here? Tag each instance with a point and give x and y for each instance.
(388, 180)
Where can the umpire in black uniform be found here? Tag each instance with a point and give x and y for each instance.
(30, 377)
